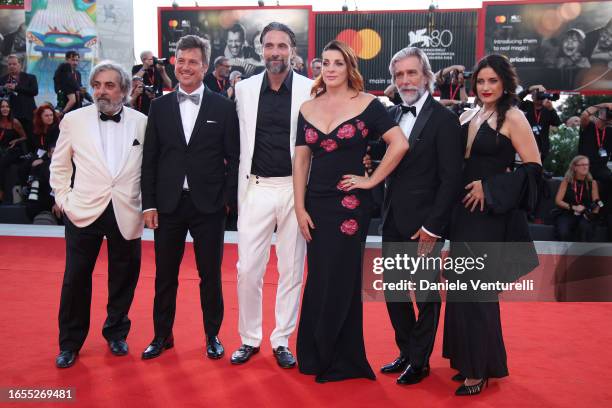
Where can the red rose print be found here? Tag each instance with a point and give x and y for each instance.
(351, 202)
(346, 132)
(349, 227)
(365, 132)
(329, 145)
(360, 124)
(311, 136)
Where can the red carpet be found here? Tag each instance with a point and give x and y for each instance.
(559, 354)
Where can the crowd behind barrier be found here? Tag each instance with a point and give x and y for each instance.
(28, 135)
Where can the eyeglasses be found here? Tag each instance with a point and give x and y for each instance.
(582, 165)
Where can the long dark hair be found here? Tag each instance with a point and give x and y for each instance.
(10, 115)
(506, 72)
(355, 80)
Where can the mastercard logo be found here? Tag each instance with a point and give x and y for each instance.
(173, 23)
(500, 19)
(365, 43)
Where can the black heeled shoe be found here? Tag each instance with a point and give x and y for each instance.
(475, 389)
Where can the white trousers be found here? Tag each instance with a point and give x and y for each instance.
(268, 203)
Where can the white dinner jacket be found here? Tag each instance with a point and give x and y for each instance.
(247, 104)
(94, 185)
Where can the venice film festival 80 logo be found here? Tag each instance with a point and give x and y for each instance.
(367, 43)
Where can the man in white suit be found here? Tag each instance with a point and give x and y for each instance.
(101, 198)
(268, 105)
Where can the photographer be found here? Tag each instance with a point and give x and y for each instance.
(21, 89)
(44, 135)
(141, 96)
(540, 114)
(68, 86)
(234, 78)
(12, 136)
(217, 80)
(450, 81)
(577, 203)
(595, 141)
(153, 73)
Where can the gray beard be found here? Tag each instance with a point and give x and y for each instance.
(276, 69)
(411, 100)
(107, 107)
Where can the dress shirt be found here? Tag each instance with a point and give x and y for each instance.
(407, 122)
(189, 114)
(112, 139)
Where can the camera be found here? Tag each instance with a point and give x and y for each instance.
(588, 211)
(162, 61)
(5, 92)
(148, 88)
(605, 114)
(540, 96)
(467, 74)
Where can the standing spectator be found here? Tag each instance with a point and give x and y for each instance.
(234, 78)
(577, 198)
(21, 89)
(68, 85)
(297, 64)
(541, 115)
(141, 96)
(11, 136)
(153, 73)
(315, 67)
(217, 80)
(451, 84)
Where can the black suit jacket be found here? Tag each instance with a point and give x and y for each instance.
(425, 186)
(210, 160)
(23, 103)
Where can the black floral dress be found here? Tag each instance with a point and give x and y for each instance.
(330, 336)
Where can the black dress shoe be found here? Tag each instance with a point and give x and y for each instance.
(66, 358)
(396, 366)
(157, 346)
(214, 348)
(458, 378)
(413, 375)
(283, 356)
(118, 347)
(465, 390)
(243, 354)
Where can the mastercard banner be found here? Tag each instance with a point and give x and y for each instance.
(447, 37)
(564, 46)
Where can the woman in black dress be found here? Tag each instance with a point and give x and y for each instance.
(493, 133)
(333, 212)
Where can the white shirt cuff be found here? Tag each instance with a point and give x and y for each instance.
(149, 209)
(429, 233)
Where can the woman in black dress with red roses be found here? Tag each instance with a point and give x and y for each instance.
(333, 212)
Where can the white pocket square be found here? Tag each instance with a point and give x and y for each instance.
(211, 121)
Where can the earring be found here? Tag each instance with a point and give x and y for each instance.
(505, 92)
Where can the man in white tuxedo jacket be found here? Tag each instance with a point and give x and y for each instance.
(101, 197)
(268, 105)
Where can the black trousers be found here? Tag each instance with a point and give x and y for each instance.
(207, 231)
(414, 337)
(574, 228)
(82, 248)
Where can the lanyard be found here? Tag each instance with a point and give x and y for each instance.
(576, 195)
(151, 76)
(2, 134)
(537, 115)
(221, 84)
(453, 93)
(602, 139)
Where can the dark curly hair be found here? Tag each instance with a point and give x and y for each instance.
(506, 72)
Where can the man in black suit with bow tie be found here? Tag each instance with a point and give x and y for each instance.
(416, 211)
(189, 181)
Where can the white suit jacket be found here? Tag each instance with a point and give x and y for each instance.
(247, 104)
(94, 186)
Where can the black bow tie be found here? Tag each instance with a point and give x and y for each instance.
(115, 118)
(406, 109)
